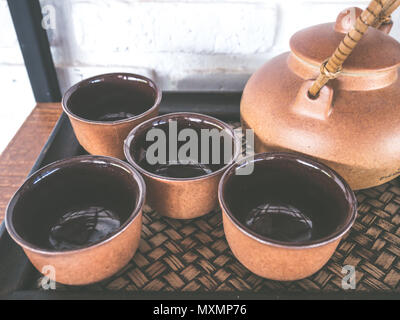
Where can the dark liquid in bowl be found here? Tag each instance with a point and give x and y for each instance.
(285, 201)
(181, 170)
(75, 206)
(83, 226)
(112, 100)
(280, 221)
(115, 116)
(208, 158)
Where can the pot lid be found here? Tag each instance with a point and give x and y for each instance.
(375, 51)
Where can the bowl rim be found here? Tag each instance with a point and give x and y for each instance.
(225, 126)
(304, 160)
(59, 164)
(87, 82)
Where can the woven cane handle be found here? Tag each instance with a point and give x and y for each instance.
(386, 15)
(377, 13)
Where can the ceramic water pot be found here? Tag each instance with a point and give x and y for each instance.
(353, 125)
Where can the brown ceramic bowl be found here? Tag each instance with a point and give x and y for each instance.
(285, 220)
(181, 191)
(105, 108)
(81, 216)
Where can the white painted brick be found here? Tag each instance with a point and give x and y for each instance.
(395, 32)
(185, 27)
(17, 101)
(182, 44)
(297, 15)
(188, 45)
(9, 48)
(17, 96)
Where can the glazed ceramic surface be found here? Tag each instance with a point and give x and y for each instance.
(81, 216)
(105, 108)
(181, 192)
(285, 220)
(352, 126)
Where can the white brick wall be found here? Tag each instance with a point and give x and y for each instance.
(181, 44)
(17, 98)
(173, 27)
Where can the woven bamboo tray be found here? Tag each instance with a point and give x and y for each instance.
(185, 259)
(193, 255)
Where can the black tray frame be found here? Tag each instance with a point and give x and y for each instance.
(17, 274)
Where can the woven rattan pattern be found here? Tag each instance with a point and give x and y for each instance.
(177, 255)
